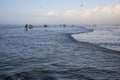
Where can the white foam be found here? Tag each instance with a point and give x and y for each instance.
(108, 37)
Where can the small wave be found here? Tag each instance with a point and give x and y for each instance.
(104, 38)
(85, 73)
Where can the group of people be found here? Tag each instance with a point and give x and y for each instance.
(28, 26)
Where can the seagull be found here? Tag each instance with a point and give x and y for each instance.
(81, 5)
(40, 6)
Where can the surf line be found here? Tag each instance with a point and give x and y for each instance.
(92, 44)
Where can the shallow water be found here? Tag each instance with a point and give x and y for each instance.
(51, 54)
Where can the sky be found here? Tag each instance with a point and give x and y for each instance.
(59, 12)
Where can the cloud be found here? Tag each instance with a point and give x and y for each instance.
(100, 15)
(53, 13)
(97, 15)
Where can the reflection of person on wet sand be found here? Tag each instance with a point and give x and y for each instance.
(26, 27)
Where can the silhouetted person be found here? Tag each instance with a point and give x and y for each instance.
(72, 25)
(30, 26)
(64, 25)
(60, 24)
(116, 25)
(94, 25)
(26, 27)
(45, 26)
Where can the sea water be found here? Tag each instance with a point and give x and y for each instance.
(40, 52)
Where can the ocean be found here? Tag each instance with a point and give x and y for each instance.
(53, 54)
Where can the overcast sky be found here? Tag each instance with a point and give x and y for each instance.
(60, 11)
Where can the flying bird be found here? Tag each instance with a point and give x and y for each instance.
(81, 5)
(40, 7)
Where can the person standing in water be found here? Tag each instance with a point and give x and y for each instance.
(30, 26)
(45, 25)
(26, 27)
